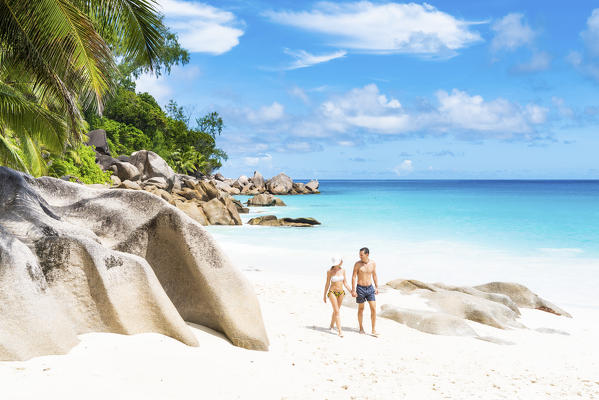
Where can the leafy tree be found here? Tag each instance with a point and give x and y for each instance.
(54, 62)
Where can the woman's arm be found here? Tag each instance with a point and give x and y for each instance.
(326, 285)
(345, 282)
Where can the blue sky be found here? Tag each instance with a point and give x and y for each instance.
(391, 90)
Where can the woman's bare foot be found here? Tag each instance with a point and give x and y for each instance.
(375, 334)
(340, 333)
(362, 332)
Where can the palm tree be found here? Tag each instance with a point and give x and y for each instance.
(55, 62)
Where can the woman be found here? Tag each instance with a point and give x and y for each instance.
(333, 289)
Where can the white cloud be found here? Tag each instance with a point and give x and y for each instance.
(403, 168)
(304, 59)
(253, 161)
(383, 28)
(299, 93)
(511, 32)
(156, 86)
(472, 113)
(457, 111)
(574, 58)
(539, 61)
(270, 113)
(562, 108)
(202, 28)
(591, 34)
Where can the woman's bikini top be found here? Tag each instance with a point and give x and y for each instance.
(336, 278)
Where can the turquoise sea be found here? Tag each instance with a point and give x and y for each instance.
(542, 232)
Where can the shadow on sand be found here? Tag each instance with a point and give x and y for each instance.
(327, 330)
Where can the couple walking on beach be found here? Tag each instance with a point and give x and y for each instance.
(363, 276)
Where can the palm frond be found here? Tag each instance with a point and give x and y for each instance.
(10, 153)
(136, 23)
(21, 115)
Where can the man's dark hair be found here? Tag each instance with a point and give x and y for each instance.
(365, 250)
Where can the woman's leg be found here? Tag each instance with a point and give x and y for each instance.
(339, 303)
(335, 306)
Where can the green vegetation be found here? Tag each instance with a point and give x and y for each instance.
(58, 75)
(135, 121)
(80, 163)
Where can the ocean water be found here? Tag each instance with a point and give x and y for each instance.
(541, 233)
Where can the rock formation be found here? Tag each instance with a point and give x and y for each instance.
(265, 200)
(280, 184)
(75, 259)
(494, 304)
(271, 220)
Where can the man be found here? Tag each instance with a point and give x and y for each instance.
(365, 274)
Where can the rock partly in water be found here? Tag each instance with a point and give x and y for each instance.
(193, 210)
(76, 260)
(280, 184)
(265, 200)
(313, 186)
(218, 214)
(271, 220)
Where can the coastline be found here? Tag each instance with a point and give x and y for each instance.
(306, 361)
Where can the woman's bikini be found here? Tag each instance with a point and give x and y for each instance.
(337, 293)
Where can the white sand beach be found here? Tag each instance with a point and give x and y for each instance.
(306, 361)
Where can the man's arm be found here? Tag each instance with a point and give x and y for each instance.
(375, 279)
(354, 278)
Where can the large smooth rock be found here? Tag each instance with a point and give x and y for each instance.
(105, 161)
(97, 139)
(232, 208)
(243, 180)
(258, 180)
(427, 321)
(218, 214)
(409, 285)
(267, 220)
(299, 222)
(222, 186)
(280, 184)
(313, 186)
(473, 308)
(219, 177)
(271, 220)
(115, 180)
(129, 185)
(151, 165)
(76, 260)
(126, 171)
(193, 210)
(208, 188)
(522, 296)
(157, 181)
(265, 200)
(496, 297)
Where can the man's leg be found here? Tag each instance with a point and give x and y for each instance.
(372, 305)
(360, 316)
